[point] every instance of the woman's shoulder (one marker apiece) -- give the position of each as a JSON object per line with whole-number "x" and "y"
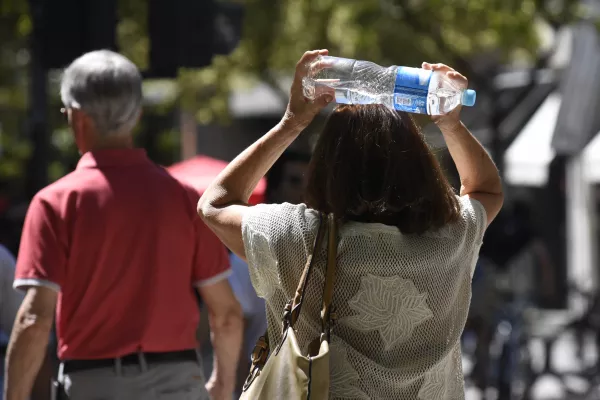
{"x": 277, "y": 236}
{"x": 283, "y": 219}
{"x": 471, "y": 208}
{"x": 283, "y": 212}
{"x": 473, "y": 221}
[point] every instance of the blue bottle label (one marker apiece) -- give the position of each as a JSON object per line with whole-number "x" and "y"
{"x": 411, "y": 100}
{"x": 410, "y": 91}
{"x": 413, "y": 78}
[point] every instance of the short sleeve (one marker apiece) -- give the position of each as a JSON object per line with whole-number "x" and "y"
{"x": 474, "y": 215}
{"x": 276, "y": 236}
{"x": 42, "y": 255}
{"x": 475, "y": 221}
{"x": 211, "y": 260}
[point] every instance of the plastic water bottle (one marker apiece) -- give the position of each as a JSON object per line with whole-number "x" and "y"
{"x": 413, "y": 90}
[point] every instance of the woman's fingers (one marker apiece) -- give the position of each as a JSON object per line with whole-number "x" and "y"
{"x": 323, "y": 92}
{"x": 323, "y": 100}
{"x": 441, "y": 67}
{"x": 458, "y": 76}
{"x": 305, "y": 102}
{"x": 304, "y": 64}
{"x": 316, "y": 66}
{"x": 436, "y": 67}
{"x": 444, "y": 68}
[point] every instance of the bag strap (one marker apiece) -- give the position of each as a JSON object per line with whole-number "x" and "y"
{"x": 327, "y": 316}
{"x": 293, "y": 308}
{"x": 262, "y": 350}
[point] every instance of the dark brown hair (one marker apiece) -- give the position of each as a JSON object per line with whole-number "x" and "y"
{"x": 371, "y": 164}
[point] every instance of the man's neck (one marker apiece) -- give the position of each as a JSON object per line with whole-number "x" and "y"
{"x": 112, "y": 142}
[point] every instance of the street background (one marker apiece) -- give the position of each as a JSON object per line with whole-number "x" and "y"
{"x": 217, "y": 75}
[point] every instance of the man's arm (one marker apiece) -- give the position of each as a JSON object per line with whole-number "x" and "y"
{"x": 28, "y": 342}
{"x": 226, "y": 325}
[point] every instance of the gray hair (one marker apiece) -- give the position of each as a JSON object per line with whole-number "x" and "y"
{"x": 107, "y": 87}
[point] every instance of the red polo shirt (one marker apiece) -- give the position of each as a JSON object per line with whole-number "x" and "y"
{"x": 120, "y": 241}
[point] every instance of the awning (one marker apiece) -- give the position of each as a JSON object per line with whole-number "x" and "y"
{"x": 200, "y": 171}
{"x": 529, "y": 156}
{"x": 591, "y": 160}
{"x": 579, "y": 119}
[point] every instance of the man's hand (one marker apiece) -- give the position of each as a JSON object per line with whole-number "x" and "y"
{"x": 450, "y": 121}
{"x": 301, "y": 111}
{"x": 218, "y": 391}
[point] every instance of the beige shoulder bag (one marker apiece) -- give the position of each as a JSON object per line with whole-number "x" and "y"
{"x": 285, "y": 373}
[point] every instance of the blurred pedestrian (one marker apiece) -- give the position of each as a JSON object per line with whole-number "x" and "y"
{"x": 255, "y": 318}
{"x": 10, "y": 300}
{"x": 286, "y": 180}
{"x": 407, "y": 245}
{"x": 116, "y": 249}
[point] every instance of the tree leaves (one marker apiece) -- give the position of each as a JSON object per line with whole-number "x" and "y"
{"x": 276, "y": 33}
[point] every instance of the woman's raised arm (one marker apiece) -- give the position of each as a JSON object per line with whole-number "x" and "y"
{"x": 479, "y": 176}
{"x": 223, "y": 204}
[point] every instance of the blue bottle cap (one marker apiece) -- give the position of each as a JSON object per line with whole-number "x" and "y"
{"x": 468, "y": 98}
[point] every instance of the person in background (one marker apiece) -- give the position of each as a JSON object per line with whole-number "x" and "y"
{"x": 115, "y": 248}
{"x": 255, "y": 319}
{"x": 10, "y": 300}
{"x": 286, "y": 180}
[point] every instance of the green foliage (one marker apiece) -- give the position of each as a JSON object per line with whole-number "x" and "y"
{"x": 400, "y": 32}
{"x": 132, "y": 31}
{"x": 15, "y": 26}
{"x": 276, "y": 33}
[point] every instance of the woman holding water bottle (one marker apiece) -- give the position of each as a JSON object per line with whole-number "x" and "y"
{"x": 406, "y": 243}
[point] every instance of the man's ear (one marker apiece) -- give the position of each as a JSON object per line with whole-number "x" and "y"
{"x": 88, "y": 122}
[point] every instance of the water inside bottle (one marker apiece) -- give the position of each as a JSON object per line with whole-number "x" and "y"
{"x": 442, "y": 101}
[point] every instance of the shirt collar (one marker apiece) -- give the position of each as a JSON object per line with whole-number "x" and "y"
{"x": 112, "y": 158}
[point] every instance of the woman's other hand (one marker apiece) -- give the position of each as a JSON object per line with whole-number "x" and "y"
{"x": 451, "y": 120}
{"x": 301, "y": 111}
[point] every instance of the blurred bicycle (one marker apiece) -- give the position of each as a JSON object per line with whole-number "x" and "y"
{"x": 495, "y": 343}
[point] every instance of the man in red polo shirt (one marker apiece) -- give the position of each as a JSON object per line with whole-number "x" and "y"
{"x": 117, "y": 250}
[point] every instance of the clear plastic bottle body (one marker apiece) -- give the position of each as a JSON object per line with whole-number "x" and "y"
{"x": 354, "y": 81}
{"x": 400, "y": 88}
